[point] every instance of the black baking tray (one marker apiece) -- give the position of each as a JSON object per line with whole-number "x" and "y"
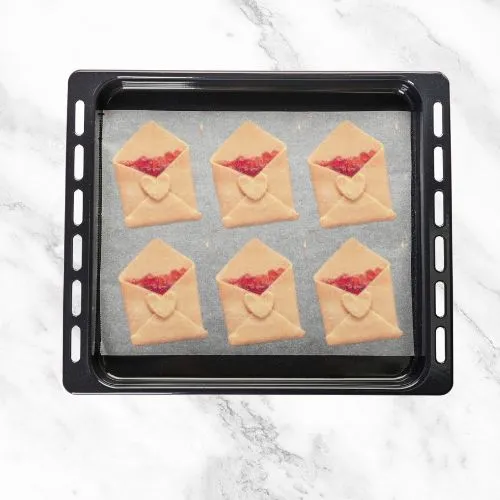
{"x": 302, "y": 374}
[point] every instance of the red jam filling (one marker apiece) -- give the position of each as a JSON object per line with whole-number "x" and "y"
{"x": 153, "y": 166}
{"x": 250, "y": 165}
{"x": 354, "y": 283}
{"x": 159, "y": 283}
{"x": 257, "y": 283}
{"x": 350, "y": 165}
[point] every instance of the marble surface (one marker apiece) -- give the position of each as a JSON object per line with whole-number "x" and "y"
{"x": 57, "y": 446}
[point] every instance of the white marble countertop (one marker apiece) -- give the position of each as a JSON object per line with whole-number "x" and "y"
{"x": 57, "y": 446}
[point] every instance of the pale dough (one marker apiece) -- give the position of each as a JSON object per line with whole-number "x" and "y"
{"x": 344, "y": 200}
{"x": 148, "y": 200}
{"x": 245, "y": 200}
{"x": 252, "y": 318}
{"x": 173, "y": 316}
{"x": 350, "y": 318}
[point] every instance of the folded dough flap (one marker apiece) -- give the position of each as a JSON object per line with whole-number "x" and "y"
{"x": 285, "y": 300}
{"x": 382, "y": 293}
{"x": 377, "y": 179}
{"x": 181, "y": 179}
{"x": 366, "y": 208}
{"x": 178, "y": 172}
{"x": 254, "y": 258}
{"x": 150, "y": 140}
{"x": 268, "y": 209}
{"x": 382, "y": 299}
{"x": 279, "y": 184}
{"x": 247, "y": 140}
{"x": 378, "y": 202}
{"x": 285, "y": 296}
{"x": 136, "y": 308}
{"x": 129, "y": 183}
{"x": 186, "y": 289}
{"x": 156, "y": 258}
{"x": 171, "y": 209}
{"x": 226, "y": 184}
{"x": 325, "y": 187}
{"x": 330, "y": 302}
{"x": 255, "y": 331}
{"x": 178, "y": 205}
{"x": 370, "y": 328}
{"x": 187, "y": 309}
{"x": 351, "y": 258}
{"x": 176, "y": 327}
{"x": 345, "y": 140}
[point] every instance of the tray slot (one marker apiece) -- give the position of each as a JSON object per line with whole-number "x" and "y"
{"x": 438, "y": 163}
{"x": 76, "y": 298}
{"x": 439, "y": 253}
{"x": 77, "y": 207}
{"x": 77, "y": 252}
{"x": 78, "y": 162}
{"x": 439, "y": 298}
{"x": 439, "y": 208}
{"x": 79, "y": 117}
{"x": 76, "y": 336}
{"x": 437, "y": 119}
{"x": 440, "y": 344}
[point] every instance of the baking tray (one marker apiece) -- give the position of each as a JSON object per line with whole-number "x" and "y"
{"x": 100, "y": 359}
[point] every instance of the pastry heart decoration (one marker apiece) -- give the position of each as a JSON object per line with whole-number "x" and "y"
{"x": 260, "y": 306}
{"x": 351, "y": 187}
{"x": 156, "y": 188}
{"x": 162, "y": 306}
{"x": 357, "y": 305}
{"x": 254, "y": 188}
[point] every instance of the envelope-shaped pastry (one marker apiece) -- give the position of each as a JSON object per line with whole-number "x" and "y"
{"x": 161, "y": 299}
{"x": 350, "y": 178}
{"x": 252, "y": 178}
{"x": 153, "y": 172}
{"x": 356, "y": 296}
{"x": 257, "y": 291}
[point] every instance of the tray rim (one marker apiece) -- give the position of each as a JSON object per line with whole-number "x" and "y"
{"x": 426, "y": 88}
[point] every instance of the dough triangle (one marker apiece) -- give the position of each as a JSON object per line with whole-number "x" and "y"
{"x": 170, "y": 209}
{"x": 268, "y": 209}
{"x": 176, "y": 327}
{"x": 364, "y": 209}
{"x": 371, "y": 327}
{"x": 255, "y": 331}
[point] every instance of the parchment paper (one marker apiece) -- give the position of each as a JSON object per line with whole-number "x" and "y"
{"x": 211, "y": 246}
